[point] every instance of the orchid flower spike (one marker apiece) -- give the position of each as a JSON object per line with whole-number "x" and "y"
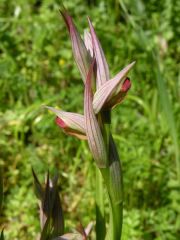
{"x": 109, "y": 91}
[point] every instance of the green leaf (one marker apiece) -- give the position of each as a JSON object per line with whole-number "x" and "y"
{"x": 51, "y": 213}
{"x": 47, "y": 202}
{"x": 37, "y": 186}
{"x": 100, "y": 208}
{"x": 167, "y": 108}
{"x": 2, "y": 235}
{"x": 46, "y": 231}
{"x": 1, "y": 190}
{"x": 57, "y": 211}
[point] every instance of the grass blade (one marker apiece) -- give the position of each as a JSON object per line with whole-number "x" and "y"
{"x": 1, "y": 190}
{"x": 100, "y": 215}
{"x": 167, "y": 108}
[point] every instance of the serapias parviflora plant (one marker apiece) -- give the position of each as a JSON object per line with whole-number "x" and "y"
{"x": 101, "y": 94}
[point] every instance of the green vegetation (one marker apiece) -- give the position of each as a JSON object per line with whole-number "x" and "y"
{"x": 37, "y": 68}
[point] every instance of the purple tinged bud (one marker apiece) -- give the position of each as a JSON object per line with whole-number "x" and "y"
{"x": 119, "y": 97}
{"x": 81, "y": 54}
{"x": 72, "y": 123}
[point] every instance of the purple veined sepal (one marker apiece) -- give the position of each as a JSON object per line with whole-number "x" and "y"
{"x": 81, "y": 53}
{"x": 72, "y": 123}
{"x": 112, "y": 90}
{"x": 88, "y": 42}
{"x": 93, "y": 131}
{"x": 102, "y": 66}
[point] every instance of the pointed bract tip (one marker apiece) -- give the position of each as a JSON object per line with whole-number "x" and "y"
{"x": 62, "y": 7}
{"x": 54, "y": 110}
{"x": 133, "y": 63}
{"x": 89, "y": 20}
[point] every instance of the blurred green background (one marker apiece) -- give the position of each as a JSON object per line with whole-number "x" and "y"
{"x": 37, "y": 67}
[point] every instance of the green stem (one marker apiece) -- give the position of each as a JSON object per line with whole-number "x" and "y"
{"x": 116, "y": 208}
{"x": 117, "y": 220}
{"x": 100, "y": 217}
{"x": 112, "y": 176}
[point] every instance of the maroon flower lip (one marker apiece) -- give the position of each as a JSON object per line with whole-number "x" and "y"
{"x": 68, "y": 130}
{"x": 60, "y": 122}
{"x": 118, "y": 98}
{"x": 126, "y": 85}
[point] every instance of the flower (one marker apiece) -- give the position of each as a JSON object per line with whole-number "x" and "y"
{"x": 92, "y": 64}
{"x": 72, "y": 123}
{"x": 119, "y": 97}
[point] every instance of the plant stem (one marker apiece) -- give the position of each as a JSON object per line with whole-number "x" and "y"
{"x": 117, "y": 220}
{"x": 116, "y": 209}
{"x": 100, "y": 217}
{"x": 112, "y": 176}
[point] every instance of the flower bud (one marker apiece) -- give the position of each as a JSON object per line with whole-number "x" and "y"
{"x": 72, "y": 123}
{"x": 120, "y": 96}
{"x": 81, "y": 54}
{"x": 111, "y": 89}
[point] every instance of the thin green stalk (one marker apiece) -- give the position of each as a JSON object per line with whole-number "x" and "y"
{"x": 116, "y": 211}
{"x": 112, "y": 176}
{"x": 167, "y": 107}
{"x": 100, "y": 215}
{"x": 117, "y": 219}
{"x": 1, "y": 190}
